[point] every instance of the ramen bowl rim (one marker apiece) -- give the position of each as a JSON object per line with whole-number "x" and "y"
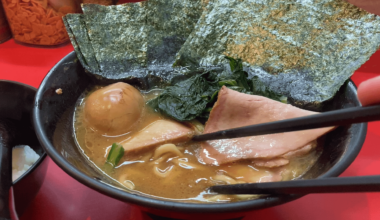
{"x": 183, "y": 207}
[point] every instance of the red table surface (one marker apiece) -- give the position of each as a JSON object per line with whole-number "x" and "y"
{"x": 62, "y": 197}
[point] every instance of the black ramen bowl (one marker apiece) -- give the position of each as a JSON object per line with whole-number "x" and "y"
{"x": 16, "y": 105}
{"x": 53, "y": 121}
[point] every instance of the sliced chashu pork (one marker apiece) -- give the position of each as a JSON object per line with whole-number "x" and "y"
{"x": 234, "y": 109}
{"x": 284, "y": 159}
{"x": 157, "y": 133}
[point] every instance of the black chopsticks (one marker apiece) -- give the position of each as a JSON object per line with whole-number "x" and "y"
{"x": 332, "y": 118}
{"x": 323, "y": 185}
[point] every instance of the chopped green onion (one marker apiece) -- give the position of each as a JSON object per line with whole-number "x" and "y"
{"x": 114, "y": 156}
{"x": 208, "y": 109}
{"x": 229, "y": 82}
{"x": 214, "y": 96}
{"x": 284, "y": 99}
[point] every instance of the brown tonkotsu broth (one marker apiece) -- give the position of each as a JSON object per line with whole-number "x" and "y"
{"x": 176, "y": 176}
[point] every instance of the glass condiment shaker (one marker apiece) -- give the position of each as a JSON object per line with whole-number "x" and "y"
{"x": 5, "y": 32}
{"x": 39, "y": 22}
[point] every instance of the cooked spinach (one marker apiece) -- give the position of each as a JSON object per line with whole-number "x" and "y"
{"x": 185, "y": 100}
{"x": 195, "y": 97}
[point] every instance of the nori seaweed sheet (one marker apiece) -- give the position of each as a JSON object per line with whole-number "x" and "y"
{"x": 170, "y": 22}
{"x": 134, "y": 39}
{"x": 118, "y": 35}
{"x": 79, "y": 39}
{"x": 74, "y": 43}
{"x": 302, "y": 49}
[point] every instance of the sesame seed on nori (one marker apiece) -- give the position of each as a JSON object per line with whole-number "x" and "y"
{"x": 303, "y": 49}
